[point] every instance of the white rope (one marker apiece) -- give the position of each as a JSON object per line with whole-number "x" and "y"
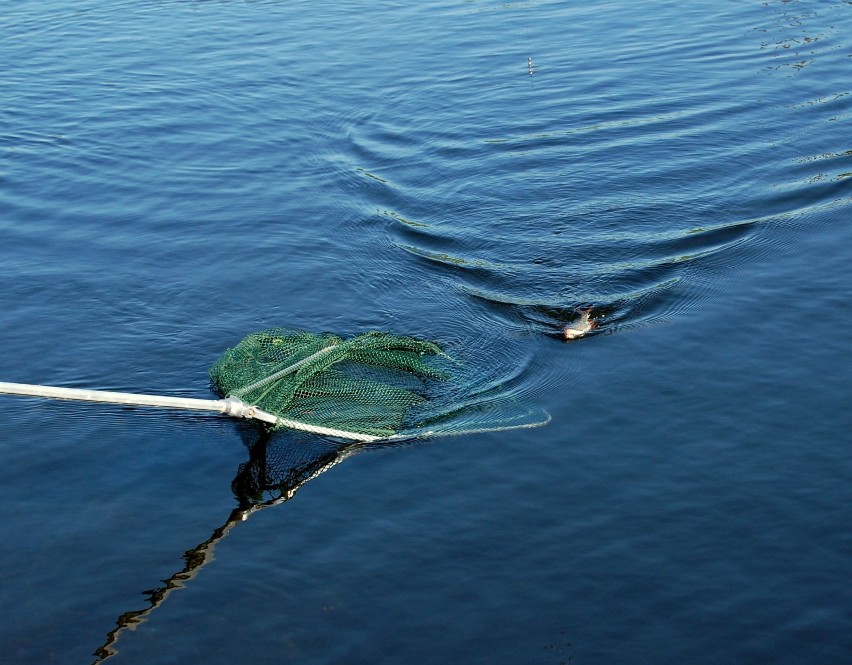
{"x": 328, "y": 431}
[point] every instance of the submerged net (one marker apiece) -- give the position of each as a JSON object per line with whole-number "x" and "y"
{"x": 375, "y": 385}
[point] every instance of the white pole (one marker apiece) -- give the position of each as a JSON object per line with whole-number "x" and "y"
{"x": 231, "y": 406}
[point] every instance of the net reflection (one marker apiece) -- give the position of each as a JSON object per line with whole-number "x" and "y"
{"x": 278, "y": 466}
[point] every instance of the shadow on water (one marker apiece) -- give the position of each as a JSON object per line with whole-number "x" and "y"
{"x": 278, "y": 466}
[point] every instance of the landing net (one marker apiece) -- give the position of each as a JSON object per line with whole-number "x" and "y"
{"x": 373, "y": 386}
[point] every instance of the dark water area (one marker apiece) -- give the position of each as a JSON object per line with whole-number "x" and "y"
{"x": 176, "y": 175}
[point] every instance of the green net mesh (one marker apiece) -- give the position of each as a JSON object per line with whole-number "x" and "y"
{"x": 376, "y": 385}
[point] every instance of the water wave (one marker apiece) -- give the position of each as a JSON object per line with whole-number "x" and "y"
{"x": 597, "y": 191}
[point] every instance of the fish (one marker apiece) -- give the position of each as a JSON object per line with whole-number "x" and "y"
{"x": 580, "y": 326}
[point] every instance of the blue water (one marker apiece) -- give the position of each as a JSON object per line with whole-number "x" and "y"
{"x": 176, "y": 175}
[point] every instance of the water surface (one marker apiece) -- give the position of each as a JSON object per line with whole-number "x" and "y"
{"x": 176, "y": 175}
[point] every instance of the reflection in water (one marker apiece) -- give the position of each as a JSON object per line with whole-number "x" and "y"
{"x": 276, "y": 469}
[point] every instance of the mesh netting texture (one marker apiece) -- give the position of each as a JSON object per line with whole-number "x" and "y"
{"x": 367, "y": 384}
{"x": 375, "y": 384}
{"x": 278, "y": 466}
